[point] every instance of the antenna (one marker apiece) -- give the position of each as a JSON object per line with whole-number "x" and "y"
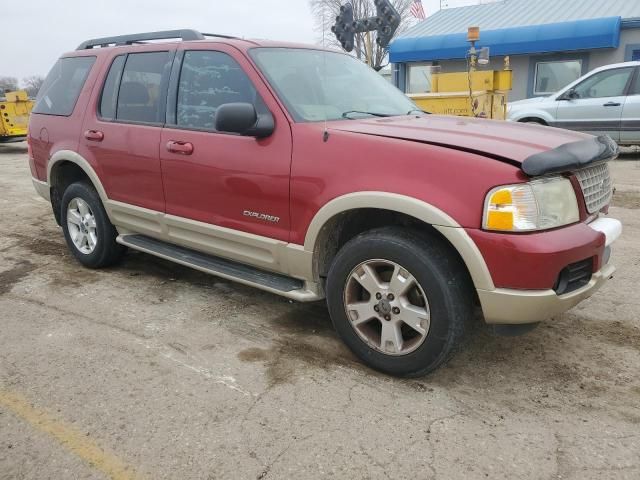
{"x": 325, "y": 134}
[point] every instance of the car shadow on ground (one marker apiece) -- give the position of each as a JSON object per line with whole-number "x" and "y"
{"x": 559, "y": 356}
{"x": 13, "y": 148}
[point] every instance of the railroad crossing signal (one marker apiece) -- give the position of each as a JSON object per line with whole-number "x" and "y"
{"x": 386, "y": 22}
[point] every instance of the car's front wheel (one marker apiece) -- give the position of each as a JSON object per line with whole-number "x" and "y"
{"x": 87, "y": 230}
{"x": 399, "y": 300}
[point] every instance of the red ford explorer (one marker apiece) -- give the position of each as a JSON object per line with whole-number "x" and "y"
{"x": 302, "y": 172}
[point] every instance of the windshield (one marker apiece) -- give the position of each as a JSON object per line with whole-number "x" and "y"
{"x": 317, "y": 85}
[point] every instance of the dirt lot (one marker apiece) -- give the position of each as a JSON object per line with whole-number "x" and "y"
{"x": 155, "y": 371}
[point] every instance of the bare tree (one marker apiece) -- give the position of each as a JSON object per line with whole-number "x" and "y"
{"x": 8, "y": 84}
{"x": 366, "y": 48}
{"x": 32, "y": 84}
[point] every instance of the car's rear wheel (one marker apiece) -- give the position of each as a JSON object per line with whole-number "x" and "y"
{"x": 399, "y": 300}
{"x": 89, "y": 234}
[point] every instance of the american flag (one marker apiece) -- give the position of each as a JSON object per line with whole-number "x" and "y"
{"x": 417, "y": 10}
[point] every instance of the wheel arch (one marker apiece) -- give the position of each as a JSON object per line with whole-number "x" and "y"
{"x": 533, "y": 119}
{"x": 66, "y": 167}
{"x": 537, "y": 115}
{"x": 325, "y": 233}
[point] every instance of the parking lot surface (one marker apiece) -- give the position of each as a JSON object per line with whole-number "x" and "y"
{"x": 152, "y": 370}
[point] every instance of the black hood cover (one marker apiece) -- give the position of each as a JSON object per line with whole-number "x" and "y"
{"x": 571, "y": 156}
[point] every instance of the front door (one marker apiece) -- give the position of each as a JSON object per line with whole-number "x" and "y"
{"x": 630, "y": 131}
{"x": 224, "y": 180}
{"x": 121, "y": 134}
{"x": 597, "y": 103}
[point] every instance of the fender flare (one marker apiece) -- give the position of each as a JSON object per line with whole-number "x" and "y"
{"x": 412, "y": 207}
{"x": 80, "y": 161}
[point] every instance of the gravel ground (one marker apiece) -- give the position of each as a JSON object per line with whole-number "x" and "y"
{"x": 151, "y": 370}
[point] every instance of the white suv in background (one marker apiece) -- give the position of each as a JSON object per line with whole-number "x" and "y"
{"x": 604, "y": 101}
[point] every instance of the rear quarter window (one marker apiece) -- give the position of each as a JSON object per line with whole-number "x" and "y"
{"x": 61, "y": 89}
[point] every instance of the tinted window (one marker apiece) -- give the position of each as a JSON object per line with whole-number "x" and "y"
{"x": 109, "y": 98}
{"x": 139, "y": 97}
{"x": 553, "y": 76}
{"x": 611, "y": 83}
{"x": 61, "y": 89}
{"x": 208, "y": 80}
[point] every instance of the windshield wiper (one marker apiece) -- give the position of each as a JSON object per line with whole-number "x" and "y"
{"x": 417, "y": 110}
{"x": 373, "y": 114}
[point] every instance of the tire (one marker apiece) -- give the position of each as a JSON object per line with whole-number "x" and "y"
{"x": 83, "y": 215}
{"x": 442, "y": 288}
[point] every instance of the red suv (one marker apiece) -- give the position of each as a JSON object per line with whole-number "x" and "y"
{"x": 303, "y": 172}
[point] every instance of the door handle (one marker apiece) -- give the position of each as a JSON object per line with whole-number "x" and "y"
{"x": 94, "y": 135}
{"x": 182, "y": 148}
{"x": 612, "y": 104}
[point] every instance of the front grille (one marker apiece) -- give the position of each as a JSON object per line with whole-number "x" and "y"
{"x": 596, "y": 186}
{"x": 574, "y": 277}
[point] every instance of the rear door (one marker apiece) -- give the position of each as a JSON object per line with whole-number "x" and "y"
{"x": 121, "y": 132}
{"x": 597, "y": 108}
{"x": 223, "y": 179}
{"x": 630, "y": 130}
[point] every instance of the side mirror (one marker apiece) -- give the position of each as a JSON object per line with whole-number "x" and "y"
{"x": 242, "y": 118}
{"x": 570, "y": 94}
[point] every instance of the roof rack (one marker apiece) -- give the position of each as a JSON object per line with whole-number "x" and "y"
{"x": 184, "y": 35}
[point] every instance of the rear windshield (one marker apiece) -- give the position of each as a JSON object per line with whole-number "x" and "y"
{"x": 61, "y": 89}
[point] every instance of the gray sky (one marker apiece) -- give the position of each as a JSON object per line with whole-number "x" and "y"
{"x": 37, "y": 32}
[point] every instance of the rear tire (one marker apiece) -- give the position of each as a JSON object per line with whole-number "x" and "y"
{"x": 90, "y": 236}
{"x": 400, "y": 300}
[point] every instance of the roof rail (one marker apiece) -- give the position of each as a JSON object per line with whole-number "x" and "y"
{"x": 185, "y": 35}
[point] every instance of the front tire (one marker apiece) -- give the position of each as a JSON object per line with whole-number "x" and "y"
{"x": 400, "y": 300}
{"x": 89, "y": 234}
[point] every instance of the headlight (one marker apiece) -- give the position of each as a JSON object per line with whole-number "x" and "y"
{"x": 537, "y": 205}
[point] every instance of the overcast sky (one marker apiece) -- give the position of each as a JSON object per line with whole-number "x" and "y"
{"x": 36, "y": 32}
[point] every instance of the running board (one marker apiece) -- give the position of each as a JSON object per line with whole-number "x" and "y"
{"x": 238, "y": 272}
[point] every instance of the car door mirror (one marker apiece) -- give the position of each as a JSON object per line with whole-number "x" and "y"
{"x": 242, "y": 118}
{"x": 570, "y": 94}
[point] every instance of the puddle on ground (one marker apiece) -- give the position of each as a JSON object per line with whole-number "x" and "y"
{"x": 14, "y": 275}
{"x": 40, "y": 245}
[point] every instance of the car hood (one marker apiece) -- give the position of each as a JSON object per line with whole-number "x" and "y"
{"x": 530, "y": 101}
{"x": 499, "y": 139}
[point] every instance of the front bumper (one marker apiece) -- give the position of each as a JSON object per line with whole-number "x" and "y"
{"x": 504, "y": 306}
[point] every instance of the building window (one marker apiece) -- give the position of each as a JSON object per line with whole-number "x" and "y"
{"x": 635, "y": 55}
{"x": 419, "y": 78}
{"x": 552, "y": 76}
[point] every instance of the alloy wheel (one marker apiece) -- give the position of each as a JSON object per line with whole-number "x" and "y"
{"x": 387, "y": 307}
{"x": 81, "y": 224}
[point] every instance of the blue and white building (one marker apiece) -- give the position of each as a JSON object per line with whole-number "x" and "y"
{"x": 550, "y": 42}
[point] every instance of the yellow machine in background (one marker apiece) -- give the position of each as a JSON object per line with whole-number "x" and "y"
{"x": 474, "y": 93}
{"x": 15, "y": 108}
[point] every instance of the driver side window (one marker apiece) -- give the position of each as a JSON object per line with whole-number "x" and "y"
{"x": 611, "y": 83}
{"x": 208, "y": 80}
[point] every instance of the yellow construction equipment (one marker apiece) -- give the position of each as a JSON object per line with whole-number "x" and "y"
{"x": 15, "y": 108}
{"x": 474, "y": 93}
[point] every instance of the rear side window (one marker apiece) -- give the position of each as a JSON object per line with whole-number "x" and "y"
{"x": 109, "y": 100}
{"x": 139, "y": 95}
{"x": 61, "y": 89}
{"x": 209, "y": 79}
